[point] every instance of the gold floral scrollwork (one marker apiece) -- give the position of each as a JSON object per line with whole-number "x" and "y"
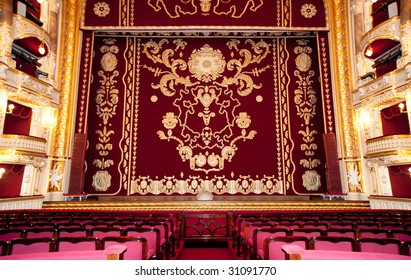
{"x": 205, "y": 94}
{"x": 101, "y": 181}
{"x": 101, "y": 9}
{"x": 308, "y": 10}
{"x": 106, "y": 101}
{"x": 305, "y": 98}
{"x": 311, "y": 180}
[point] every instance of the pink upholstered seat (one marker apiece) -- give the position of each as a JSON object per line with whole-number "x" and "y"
{"x": 136, "y": 246}
{"x": 332, "y": 243}
{"x": 272, "y": 246}
{"x": 124, "y": 224}
{"x": 249, "y": 231}
{"x": 68, "y": 225}
{"x": 372, "y": 232}
{"x": 400, "y": 234}
{"x": 11, "y": 233}
{"x": 31, "y": 245}
{"x": 318, "y": 225}
{"x": 260, "y": 235}
{"x": 164, "y": 240}
{"x": 288, "y": 225}
{"x": 40, "y": 232}
{"x": 406, "y": 248}
{"x": 346, "y": 225}
{"x": 77, "y": 243}
{"x": 239, "y": 231}
{"x": 72, "y": 231}
{"x": 307, "y": 232}
{"x": 152, "y": 235}
{"x": 392, "y": 225}
{"x": 367, "y": 225}
{"x": 101, "y": 232}
{"x": 347, "y": 232}
{"x": 379, "y": 245}
{"x": 4, "y": 246}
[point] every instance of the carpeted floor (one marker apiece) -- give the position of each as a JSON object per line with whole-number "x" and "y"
{"x": 205, "y": 251}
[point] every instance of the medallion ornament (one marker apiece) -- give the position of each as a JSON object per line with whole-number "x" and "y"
{"x": 311, "y": 180}
{"x": 101, "y": 181}
{"x": 206, "y": 64}
{"x": 308, "y": 10}
{"x": 101, "y": 9}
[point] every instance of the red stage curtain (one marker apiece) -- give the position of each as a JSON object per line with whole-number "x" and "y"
{"x": 234, "y": 115}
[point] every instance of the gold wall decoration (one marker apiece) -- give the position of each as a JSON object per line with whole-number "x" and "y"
{"x": 207, "y": 148}
{"x": 107, "y": 103}
{"x": 229, "y": 8}
{"x": 175, "y": 10}
{"x": 308, "y": 10}
{"x": 305, "y": 98}
{"x": 101, "y": 9}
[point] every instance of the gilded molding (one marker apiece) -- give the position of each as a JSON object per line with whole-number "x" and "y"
{"x": 208, "y": 205}
{"x": 343, "y": 78}
{"x": 68, "y": 58}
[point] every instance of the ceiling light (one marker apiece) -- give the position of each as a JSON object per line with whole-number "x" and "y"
{"x": 40, "y": 1}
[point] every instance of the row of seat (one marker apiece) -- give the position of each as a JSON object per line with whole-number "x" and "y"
{"x": 244, "y": 232}
{"x": 137, "y": 246}
{"x": 161, "y": 240}
{"x": 272, "y": 246}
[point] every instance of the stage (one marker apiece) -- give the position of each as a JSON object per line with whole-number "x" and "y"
{"x": 220, "y": 203}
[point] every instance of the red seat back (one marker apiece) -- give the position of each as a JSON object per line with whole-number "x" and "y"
{"x": 332, "y": 243}
{"x": 31, "y": 245}
{"x": 77, "y": 243}
{"x": 136, "y": 246}
{"x": 273, "y": 246}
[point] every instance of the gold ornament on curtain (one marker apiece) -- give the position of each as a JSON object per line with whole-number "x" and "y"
{"x": 107, "y": 103}
{"x": 208, "y": 93}
{"x": 306, "y": 101}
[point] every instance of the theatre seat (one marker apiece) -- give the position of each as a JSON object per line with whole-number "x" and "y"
{"x": 164, "y": 241}
{"x": 401, "y": 234}
{"x": 72, "y": 231}
{"x": 273, "y": 246}
{"x": 102, "y": 231}
{"x": 136, "y": 246}
{"x": 379, "y": 245}
{"x": 249, "y": 231}
{"x": 341, "y": 232}
{"x": 152, "y": 235}
{"x": 373, "y": 232}
{"x": 40, "y": 232}
{"x": 78, "y": 243}
{"x": 31, "y": 245}
{"x": 260, "y": 234}
{"x": 11, "y": 233}
{"x": 406, "y": 248}
{"x": 336, "y": 243}
{"x": 4, "y": 245}
{"x": 307, "y": 232}
{"x": 346, "y": 225}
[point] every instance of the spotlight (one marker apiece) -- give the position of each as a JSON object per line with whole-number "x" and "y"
{"x": 42, "y": 49}
{"x": 369, "y": 52}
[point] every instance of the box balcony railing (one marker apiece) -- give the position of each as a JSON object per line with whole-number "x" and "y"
{"x": 23, "y": 144}
{"x": 388, "y": 145}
